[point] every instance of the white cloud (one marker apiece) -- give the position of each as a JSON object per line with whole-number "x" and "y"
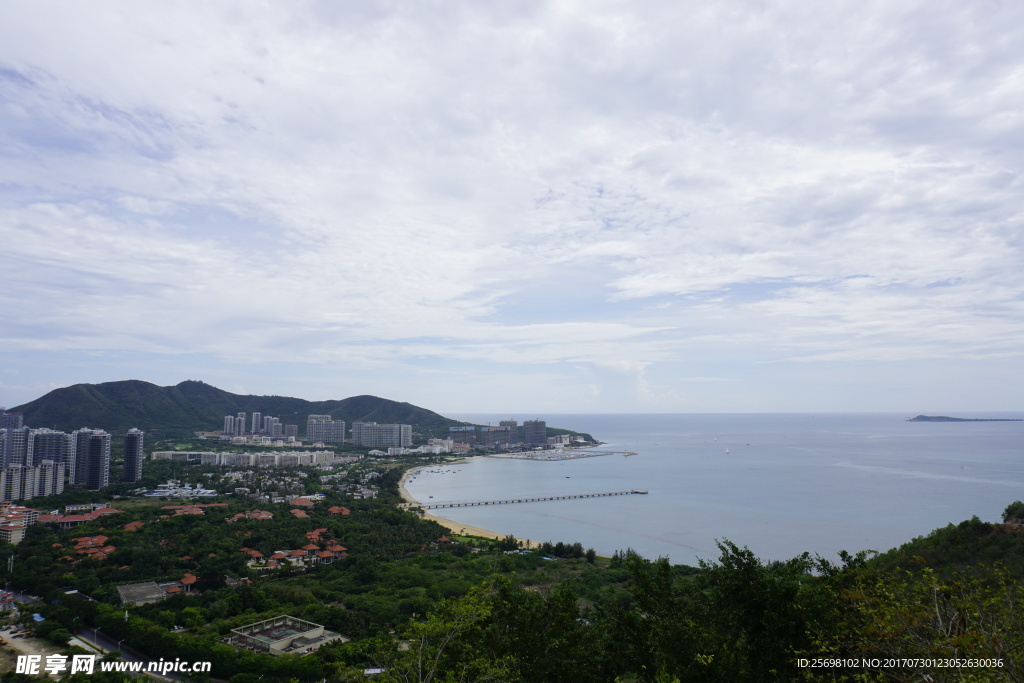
{"x": 647, "y": 185}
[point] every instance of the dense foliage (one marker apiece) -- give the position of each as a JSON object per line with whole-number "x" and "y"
{"x": 425, "y": 609}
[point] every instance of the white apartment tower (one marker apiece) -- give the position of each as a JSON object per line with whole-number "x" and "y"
{"x": 374, "y": 435}
{"x": 324, "y": 429}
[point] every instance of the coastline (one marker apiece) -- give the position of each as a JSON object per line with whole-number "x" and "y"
{"x": 453, "y": 526}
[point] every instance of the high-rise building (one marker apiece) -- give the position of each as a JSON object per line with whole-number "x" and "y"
{"x": 133, "y": 455}
{"x": 229, "y": 425}
{"x": 52, "y": 445}
{"x": 50, "y": 478}
{"x": 535, "y": 433}
{"x": 23, "y": 482}
{"x": 92, "y": 458}
{"x": 255, "y": 423}
{"x": 17, "y": 446}
{"x": 324, "y": 429}
{"x": 240, "y": 424}
{"x": 293, "y": 431}
{"x": 11, "y": 420}
{"x": 463, "y": 435}
{"x": 498, "y": 437}
{"x": 513, "y": 427}
{"x": 271, "y": 426}
{"x": 374, "y": 435}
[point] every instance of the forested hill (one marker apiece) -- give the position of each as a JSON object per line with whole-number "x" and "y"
{"x": 196, "y": 405}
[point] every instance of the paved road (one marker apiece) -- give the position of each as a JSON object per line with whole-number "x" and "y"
{"x": 97, "y": 638}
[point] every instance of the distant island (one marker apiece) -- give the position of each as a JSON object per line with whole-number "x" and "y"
{"x": 944, "y": 418}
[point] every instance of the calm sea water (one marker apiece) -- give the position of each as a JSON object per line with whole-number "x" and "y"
{"x": 788, "y": 483}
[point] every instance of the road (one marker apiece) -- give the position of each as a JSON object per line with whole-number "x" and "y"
{"x": 97, "y": 638}
{"x": 101, "y": 641}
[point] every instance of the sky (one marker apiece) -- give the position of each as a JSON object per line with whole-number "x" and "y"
{"x": 521, "y": 207}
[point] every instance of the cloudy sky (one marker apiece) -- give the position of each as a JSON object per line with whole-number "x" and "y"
{"x": 518, "y": 206}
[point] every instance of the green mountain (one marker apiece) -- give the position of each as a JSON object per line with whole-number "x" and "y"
{"x": 193, "y": 405}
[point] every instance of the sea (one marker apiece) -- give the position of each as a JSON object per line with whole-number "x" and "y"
{"x": 779, "y": 484}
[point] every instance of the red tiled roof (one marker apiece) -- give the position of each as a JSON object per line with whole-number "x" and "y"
{"x": 278, "y": 556}
{"x": 299, "y": 514}
{"x": 325, "y": 553}
{"x": 188, "y": 580}
{"x": 173, "y": 589}
{"x": 310, "y": 546}
{"x": 297, "y": 553}
{"x": 301, "y": 501}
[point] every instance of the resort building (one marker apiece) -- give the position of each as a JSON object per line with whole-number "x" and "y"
{"x": 324, "y": 429}
{"x": 535, "y": 433}
{"x": 374, "y": 435}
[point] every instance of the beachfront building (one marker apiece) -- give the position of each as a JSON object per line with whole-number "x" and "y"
{"x": 374, "y": 435}
{"x": 464, "y": 435}
{"x": 499, "y": 437}
{"x": 535, "y": 433}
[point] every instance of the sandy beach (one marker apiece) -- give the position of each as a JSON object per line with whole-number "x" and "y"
{"x": 455, "y": 527}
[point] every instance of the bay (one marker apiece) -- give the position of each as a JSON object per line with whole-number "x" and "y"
{"x": 780, "y": 484}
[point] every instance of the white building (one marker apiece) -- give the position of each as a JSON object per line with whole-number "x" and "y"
{"x": 324, "y": 429}
{"x": 381, "y": 436}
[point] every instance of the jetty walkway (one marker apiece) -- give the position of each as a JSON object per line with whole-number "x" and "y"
{"x": 556, "y": 455}
{"x": 432, "y": 506}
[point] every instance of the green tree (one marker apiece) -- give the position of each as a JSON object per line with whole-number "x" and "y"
{"x": 758, "y": 614}
{"x": 921, "y": 617}
{"x": 435, "y": 650}
{"x": 1014, "y": 510}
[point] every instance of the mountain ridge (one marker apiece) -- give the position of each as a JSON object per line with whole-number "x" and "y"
{"x": 196, "y": 405}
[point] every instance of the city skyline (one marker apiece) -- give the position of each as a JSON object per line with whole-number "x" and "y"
{"x": 539, "y": 208}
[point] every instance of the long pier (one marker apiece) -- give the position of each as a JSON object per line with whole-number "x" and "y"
{"x": 431, "y": 506}
{"x": 557, "y": 455}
